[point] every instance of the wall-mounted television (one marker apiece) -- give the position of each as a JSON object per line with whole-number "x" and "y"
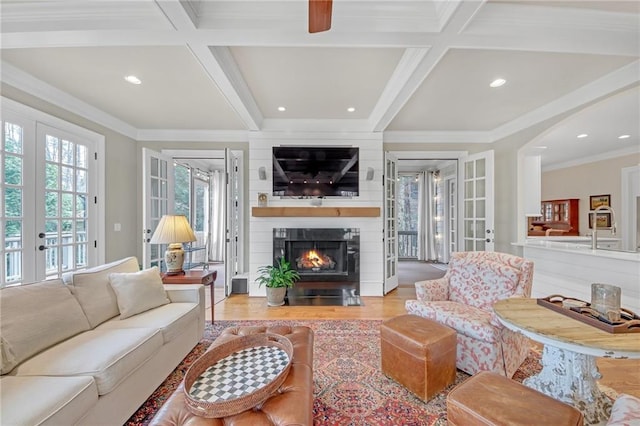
{"x": 303, "y": 171}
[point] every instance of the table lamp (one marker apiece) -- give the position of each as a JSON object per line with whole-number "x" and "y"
{"x": 173, "y": 230}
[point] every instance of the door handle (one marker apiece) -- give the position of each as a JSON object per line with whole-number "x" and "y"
{"x": 42, "y": 248}
{"x": 42, "y": 235}
{"x": 489, "y": 231}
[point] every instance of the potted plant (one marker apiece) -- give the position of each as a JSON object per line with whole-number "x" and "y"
{"x": 277, "y": 278}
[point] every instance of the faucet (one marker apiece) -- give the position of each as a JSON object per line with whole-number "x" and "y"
{"x": 594, "y": 221}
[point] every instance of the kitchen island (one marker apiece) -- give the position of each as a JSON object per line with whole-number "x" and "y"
{"x": 568, "y": 268}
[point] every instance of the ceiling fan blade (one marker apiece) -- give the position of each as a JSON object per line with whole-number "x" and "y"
{"x": 319, "y": 15}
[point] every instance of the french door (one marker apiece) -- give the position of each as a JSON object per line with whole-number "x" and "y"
{"x": 390, "y": 222}
{"x": 477, "y": 202}
{"x": 158, "y": 200}
{"x": 233, "y": 217}
{"x": 48, "y": 199}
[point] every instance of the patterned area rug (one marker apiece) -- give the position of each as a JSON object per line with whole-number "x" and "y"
{"x": 349, "y": 387}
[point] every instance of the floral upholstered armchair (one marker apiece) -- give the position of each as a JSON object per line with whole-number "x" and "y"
{"x": 463, "y": 300}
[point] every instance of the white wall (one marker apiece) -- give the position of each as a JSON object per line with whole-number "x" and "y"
{"x": 371, "y": 195}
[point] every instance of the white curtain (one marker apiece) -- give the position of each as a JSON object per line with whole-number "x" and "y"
{"x": 216, "y": 251}
{"x": 421, "y": 223}
{"x": 428, "y": 222}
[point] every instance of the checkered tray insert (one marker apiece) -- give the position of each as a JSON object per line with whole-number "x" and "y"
{"x": 239, "y": 374}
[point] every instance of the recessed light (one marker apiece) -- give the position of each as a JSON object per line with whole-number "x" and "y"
{"x": 351, "y": 109}
{"x": 281, "y": 109}
{"x": 498, "y": 82}
{"x": 624, "y": 136}
{"x": 582, "y": 135}
{"x": 133, "y": 79}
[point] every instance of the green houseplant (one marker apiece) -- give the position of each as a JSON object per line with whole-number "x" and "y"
{"x": 277, "y": 278}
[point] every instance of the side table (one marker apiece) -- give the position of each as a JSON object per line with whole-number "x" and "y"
{"x": 206, "y": 278}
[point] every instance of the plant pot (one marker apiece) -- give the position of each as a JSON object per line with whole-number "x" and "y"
{"x": 275, "y": 296}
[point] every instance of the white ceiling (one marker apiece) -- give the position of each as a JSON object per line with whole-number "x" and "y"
{"x": 417, "y": 70}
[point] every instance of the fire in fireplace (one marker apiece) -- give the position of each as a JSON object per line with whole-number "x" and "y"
{"x": 315, "y": 260}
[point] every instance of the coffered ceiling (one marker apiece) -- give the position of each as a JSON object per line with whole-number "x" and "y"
{"x": 417, "y": 70}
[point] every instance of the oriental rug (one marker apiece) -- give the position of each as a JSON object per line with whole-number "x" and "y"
{"x": 349, "y": 387}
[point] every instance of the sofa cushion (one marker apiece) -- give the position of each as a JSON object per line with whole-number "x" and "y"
{"x": 92, "y": 289}
{"x": 34, "y": 317}
{"x": 109, "y": 356}
{"x": 481, "y": 284}
{"x": 170, "y": 319}
{"x": 138, "y": 291}
{"x": 39, "y": 400}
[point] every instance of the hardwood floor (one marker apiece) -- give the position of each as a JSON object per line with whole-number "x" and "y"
{"x": 620, "y": 375}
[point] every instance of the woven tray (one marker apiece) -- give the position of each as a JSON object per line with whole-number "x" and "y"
{"x": 629, "y": 323}
{"x": 237, "y": 375}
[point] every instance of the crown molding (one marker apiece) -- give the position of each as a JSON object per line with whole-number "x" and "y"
{"x": 170, "y": 135}
{"x": 394, "y": 136}
{"x": 592, "y": 159}
{"x": 306, "y": 135}
{"x": 315, "y": 125}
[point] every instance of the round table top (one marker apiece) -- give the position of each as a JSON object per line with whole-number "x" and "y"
{"x": 552, "y": 328}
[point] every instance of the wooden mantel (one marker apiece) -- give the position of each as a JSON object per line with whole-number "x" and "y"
{"x": 315, "y": 211}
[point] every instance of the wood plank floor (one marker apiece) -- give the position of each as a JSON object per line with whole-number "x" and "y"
{"x": 620, "y": 375}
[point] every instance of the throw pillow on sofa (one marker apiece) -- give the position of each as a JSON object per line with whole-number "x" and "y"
{"x": 91, "y": 288}
{"x": 138, "y": 291}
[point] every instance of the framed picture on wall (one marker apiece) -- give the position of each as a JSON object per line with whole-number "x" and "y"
{"x": 603, "y": 220}
{"x": 596, "y": 201}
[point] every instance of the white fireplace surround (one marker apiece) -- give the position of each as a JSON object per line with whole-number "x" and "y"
{"x": 371, "y": 195}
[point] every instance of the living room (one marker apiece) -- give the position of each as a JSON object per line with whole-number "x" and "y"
{"x": 243, "y": 78}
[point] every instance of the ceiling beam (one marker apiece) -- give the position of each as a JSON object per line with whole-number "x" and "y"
{"x": 218, "y": 64}
{"x": 177, "y": 14}
{"x": 417, "y": 68}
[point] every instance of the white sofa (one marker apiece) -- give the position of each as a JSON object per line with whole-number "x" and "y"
{"x": 69, "y": 355}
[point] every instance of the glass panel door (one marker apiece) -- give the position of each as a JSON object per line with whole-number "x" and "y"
{"x": 66, "y": 203}
{"x": 17, "y": 204}
{"x": 157, "y": 190}
{"x": 233, "y": 219}
{"x": 390, "y": 223}
{"x": 477, "y": 202}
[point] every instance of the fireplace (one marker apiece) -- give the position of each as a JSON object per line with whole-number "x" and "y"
{"x": 328, "y": 261}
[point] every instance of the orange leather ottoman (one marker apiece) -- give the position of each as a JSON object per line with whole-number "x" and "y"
{"x": 291, "y": 404}
{"x": 491, "y": 399}
{"x": 418, "y": 353}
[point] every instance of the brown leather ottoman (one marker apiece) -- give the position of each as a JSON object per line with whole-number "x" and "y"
{"x": 491, "y": 399}
{"x": 292, "y": 404}
{"x": 418, "y": 353}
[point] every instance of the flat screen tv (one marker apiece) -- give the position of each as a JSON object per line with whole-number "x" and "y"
{"x": 302, "y": 171}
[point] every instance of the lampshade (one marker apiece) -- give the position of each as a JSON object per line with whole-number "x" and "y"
{"x": 173, "y": 229}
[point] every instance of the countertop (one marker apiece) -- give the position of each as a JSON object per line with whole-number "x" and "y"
{"x": 577, "y": 248}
